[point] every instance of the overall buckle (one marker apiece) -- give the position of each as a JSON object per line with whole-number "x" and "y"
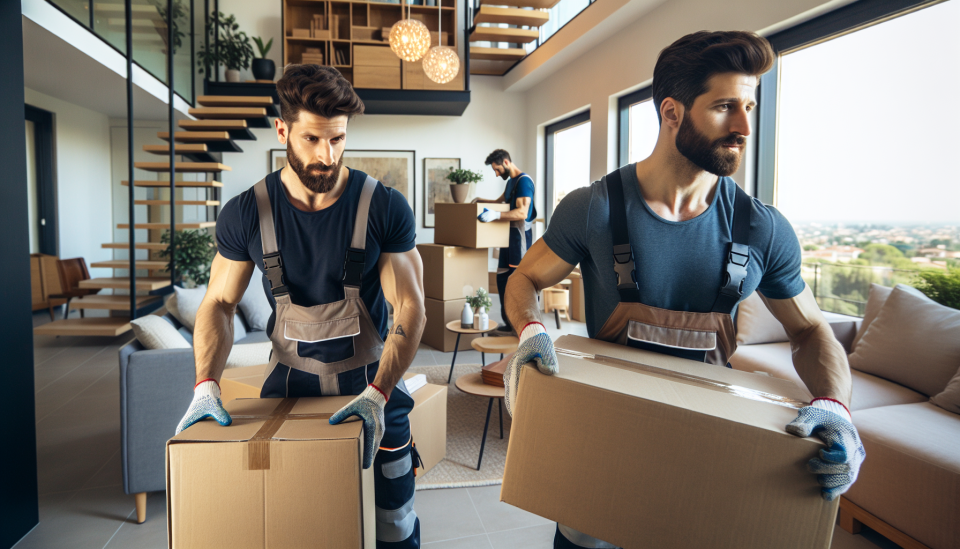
{"x": 273, "y": 269}
{"x": 353, "y": 267}
{"x": 625, "y": 267}
{"x": 736, "y": 269}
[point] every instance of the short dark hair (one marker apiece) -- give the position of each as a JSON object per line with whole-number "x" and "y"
{"x": 497, "y": 157}
{"x": 318, "y": 89}
{"x": 684, "y": 67}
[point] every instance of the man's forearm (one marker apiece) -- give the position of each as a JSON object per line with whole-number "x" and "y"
{"x": 401, "y": 345}
{"x": 822, "y": 364}
{"x": 212, "y": 339}
{"x": 521, "y": 301}
{"x": 517, "y": 214}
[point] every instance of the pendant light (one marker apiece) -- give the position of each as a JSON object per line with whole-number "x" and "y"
{"x": 441, "y": 64}
{"x": 409, "y": 39}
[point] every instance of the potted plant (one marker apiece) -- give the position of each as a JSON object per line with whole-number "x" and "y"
{"x": 263, "y": 68}
{"x": 194, "y": 252}
{"x": 235, "y": 50}
{"x": 460, "y": 188}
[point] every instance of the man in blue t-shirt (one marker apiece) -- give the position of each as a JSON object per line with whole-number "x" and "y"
{"x": 519, "y": 195}
{"x": 334, "y": 247}
{"x": 669, "y": 245}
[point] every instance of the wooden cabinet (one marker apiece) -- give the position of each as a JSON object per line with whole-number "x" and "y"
{"x": 415, "y": 79}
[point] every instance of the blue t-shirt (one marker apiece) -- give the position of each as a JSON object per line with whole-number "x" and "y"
{"x": 525, "y": 187}
{"x": 313, "y": 245}
{"x": 680, "y": 265}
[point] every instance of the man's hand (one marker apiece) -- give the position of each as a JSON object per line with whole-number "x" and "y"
{"x": 535, "y": 346}
{"x": 839, "y": 463}
{"x": 368, "y": 406}
{"x": 206, "y": 403}
{"x": 488, "y": 215}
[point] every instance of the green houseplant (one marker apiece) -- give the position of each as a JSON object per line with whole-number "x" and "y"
{"x": 194, "y": 252}
{"x": 235, "y": 50}
{"x": 263, "y": 68}
{"x": 460, "y": 186}
{"x": 481, "y": 299}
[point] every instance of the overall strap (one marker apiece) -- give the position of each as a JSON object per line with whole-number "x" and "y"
{"x": 354, "y": 262}
{"x": 738, "y": 255}
{"x": 624, "y": 263}
{"x": 272, "y": 264}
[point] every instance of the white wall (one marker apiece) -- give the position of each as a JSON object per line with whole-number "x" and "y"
{"x": 82, "y": 179}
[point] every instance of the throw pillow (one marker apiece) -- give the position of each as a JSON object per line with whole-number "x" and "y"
{"x": 173, "y": 307}
{"x": 239, "y": 332}
{"x": 188, "y": 302}
{"x": 249, "y": 354}
{"x": 914, "y": 341}
{"x": 756, "y": 324}
{"x": 949, "y": 399}
{"x": 153, "y": 332}
{"x": 875, "y": 299}
{"x": 254, "y": 304}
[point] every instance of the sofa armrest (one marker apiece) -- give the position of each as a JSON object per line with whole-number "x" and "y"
{"x": 156, "y": 388}
{"x": 844, "y": 328}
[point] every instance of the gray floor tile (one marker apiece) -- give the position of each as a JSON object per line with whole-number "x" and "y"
{"x": 471, "y": 542}
{"x": 88, "y": 519}
{"x": 534, "y": 537}
{"x": 152, "y": 534}
{"x": 446, "y": 514}
{"x": 497, "y": 516}
{"x": 424, "y": 357}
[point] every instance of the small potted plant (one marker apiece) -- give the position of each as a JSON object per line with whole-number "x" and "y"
{"x": 480, "y": 303}
{"x": 460, "y": 188}
{"x": 194, "y": 253}
{"x": 235, "y": 50}
{"x": 263, "y": 68}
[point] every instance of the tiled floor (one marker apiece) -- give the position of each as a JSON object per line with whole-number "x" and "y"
{"x": 82, "y": 504}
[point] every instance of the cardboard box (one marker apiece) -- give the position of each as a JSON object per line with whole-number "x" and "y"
{"x": 428, "y": 424}
{"x": 452, "y": 272}
{"x": 457, "y": 225}
{"x": 242, "y": 382}
{"x": 492, "y": 281}
{"x": 279, "y": 476}
{"x": 435, "y": 333}
{"x": 577, "y": 306}
{"x": 651, "y": 459}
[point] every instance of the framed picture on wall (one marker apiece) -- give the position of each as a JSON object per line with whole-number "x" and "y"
{"x": 278, "y": 159}
{"x": 436, "y": 187}
{"x": 395, "y": 169}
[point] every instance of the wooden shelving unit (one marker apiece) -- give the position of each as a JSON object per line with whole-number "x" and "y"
{"x": 335, "y": 28}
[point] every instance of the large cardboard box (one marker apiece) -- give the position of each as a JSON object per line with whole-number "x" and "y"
{"x": 435, "y": 333}
{"x": 452, "y": 272}
{"x": 279, "y": 476}
{"x": 242, "y": 382}
{"x": 428, "y": 424}
{"x": 648, "y": 455}
{"x": 457, "y": 225}
{"x": 492, "y": 281}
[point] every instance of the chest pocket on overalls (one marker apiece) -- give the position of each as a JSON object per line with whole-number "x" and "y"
{"x": 327, "y": 341}
{"x": 689, "y": 344}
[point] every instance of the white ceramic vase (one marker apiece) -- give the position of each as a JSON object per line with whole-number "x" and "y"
{"x": 466, "y": 319}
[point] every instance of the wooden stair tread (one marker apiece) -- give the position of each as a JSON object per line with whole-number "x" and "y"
{"x": 167, "y": 183}
{"x": 125, "y": 264}
{"x": 195, "y": 137}
{"x": 493, "y": 68}
{"x": 187, "y": 167}
{"x": 497, "y": 34}
{"x": 497, "y": 54}
{"x": 94, "y": 326}
{"x": 229, "y": 113}
{"x": 212, "y": 125}
{"x": 110, "y": 302}
{"x": 178, "y": 202}
{"x": 536, "y": 4}
{"x": 181, "y": 148}
{"x": 235, "y": 100}
{"x": 138, "y": 245}
{"x": 123, "y": 283}
{"x": 161, "y": 226}
{"x": 511, "y": 16}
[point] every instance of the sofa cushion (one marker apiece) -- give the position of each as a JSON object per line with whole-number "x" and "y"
{"x": 154, "y": 332}
{"x": 911, "y": 476}
{"x": 755, "y": 323}
{"x": 187, "y": 304}
{"x": 254, "y": 304}
{"x": 914, "y": 341}
{"x": 949, "y": 399}
{"x": 869, "y": 391}
{"x": 172, "y": 305}
{"x": 876, "y": 298}
{"x": 249, "y": 354}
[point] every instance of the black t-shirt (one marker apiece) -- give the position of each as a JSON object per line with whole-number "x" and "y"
{"x": 313, "y": 245}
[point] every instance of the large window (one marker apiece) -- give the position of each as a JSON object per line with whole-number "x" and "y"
{"x": 639, "y": 126}
{"x": 861, "y": 152}
{"x": 568, "y": 158}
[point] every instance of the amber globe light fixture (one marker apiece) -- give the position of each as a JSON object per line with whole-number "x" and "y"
{"x": 409, "y": 39}
{"x": 441, "y": 64}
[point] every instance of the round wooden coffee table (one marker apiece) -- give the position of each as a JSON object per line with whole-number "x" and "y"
{"x": 499, "y": 344}
{"x": 472, "y": 384}
{"x": 454, "y": 326}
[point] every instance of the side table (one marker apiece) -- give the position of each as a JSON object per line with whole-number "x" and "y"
{"x": 472, "y": 384}
{"x": 454, "y": 326}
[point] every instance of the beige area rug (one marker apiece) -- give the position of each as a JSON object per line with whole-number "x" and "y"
{"x": 465, "y": 417}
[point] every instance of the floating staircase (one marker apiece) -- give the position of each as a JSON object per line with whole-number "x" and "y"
{"x": 199, "y": 144}
{"x": 525, "y": 17}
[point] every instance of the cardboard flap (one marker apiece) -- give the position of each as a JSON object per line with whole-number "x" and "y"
{"x": 256, "y": 407}
{"x": 320, "y": 405}
{"x": 294, "y": 429}
{"x": 208, "y": 430}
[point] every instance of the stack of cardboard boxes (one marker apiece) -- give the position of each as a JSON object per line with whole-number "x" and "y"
{"x": 455, "y": 266}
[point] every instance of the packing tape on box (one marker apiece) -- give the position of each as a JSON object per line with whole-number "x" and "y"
{"x": 688, "y": 379}
{"x": 258, "y": 447}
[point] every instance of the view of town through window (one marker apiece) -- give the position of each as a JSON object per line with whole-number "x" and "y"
{"x": 644, "y": 129}
{"x": 866, "y": 130}
{"x": 571, "y": 161}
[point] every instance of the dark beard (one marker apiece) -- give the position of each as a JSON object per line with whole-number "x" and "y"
{"x": 320, "y": 183}
{"x": 710, "y": 156}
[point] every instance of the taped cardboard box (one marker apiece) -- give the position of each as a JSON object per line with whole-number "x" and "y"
{"x": 279, "y": 476}
{"x": 244, "y": 382}
{"x": 452, "y": 272}
{"x": 428, "y": 424}
{"x": 435, "y": 332}
{"x": 457, "y": 225}
{"x": 664, "y": 453}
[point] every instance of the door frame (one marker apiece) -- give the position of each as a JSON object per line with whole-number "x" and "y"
{"x": 46, "y": 178}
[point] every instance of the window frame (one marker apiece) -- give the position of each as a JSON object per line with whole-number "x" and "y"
{"x": 550, "y": 132}
{"x": 623, "y": 120}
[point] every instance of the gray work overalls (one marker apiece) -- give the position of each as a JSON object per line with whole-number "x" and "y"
{"x": 351, "y": 367}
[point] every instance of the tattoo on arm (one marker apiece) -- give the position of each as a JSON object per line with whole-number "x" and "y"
{"x": 399, "y": 331}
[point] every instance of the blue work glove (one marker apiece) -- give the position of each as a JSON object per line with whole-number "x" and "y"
{"x": 206, "y": 403}
{"x": 368, "y": 406}
{"x": 839, "y": 463}
{"x": 535, "y": 346}
{"x": 486, "y": 216}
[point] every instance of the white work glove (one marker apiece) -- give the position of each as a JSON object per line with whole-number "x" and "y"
{"x": 206, "y": 403}
{"x": 839, "y": 463}
{"x": 535, "y": 346}
{"x": 368, "y": 406}
{"x": 486, "y": 216}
